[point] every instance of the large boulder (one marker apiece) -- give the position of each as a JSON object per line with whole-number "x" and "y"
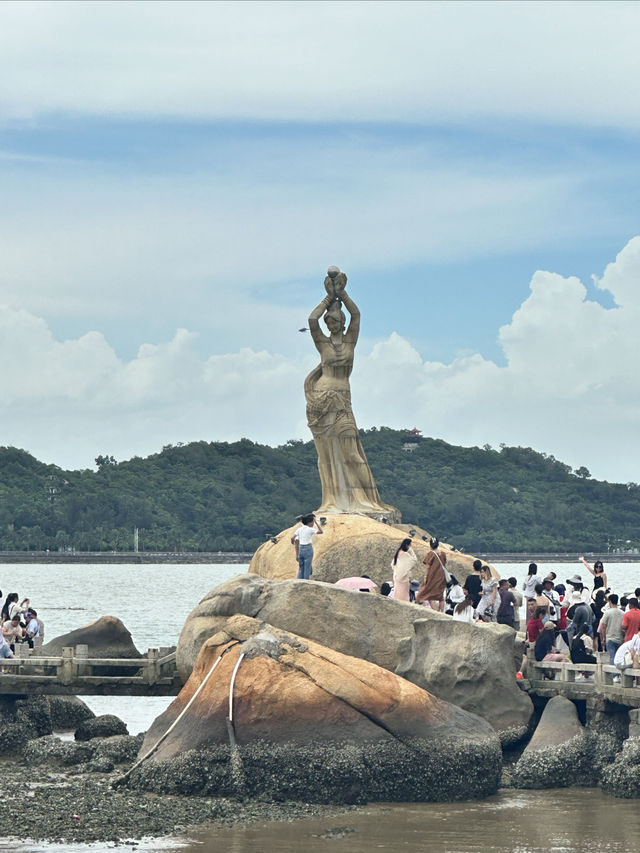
{"x": 106, "y": 725}
{"x": 67, "y": 712}
{"x": 560, "y": 752}
{"x": 622, "y": 777}
{"x": 119, "y": 749}
{"x": 22, "y": 720}
{"x": 309, "y": 719}
{"x": 382, "y": 631}
{"x": 350, "y": 546}
{"x": 471, "y": 666}
{"x": 51, "y": 750}
{"x": 107, "y": 637}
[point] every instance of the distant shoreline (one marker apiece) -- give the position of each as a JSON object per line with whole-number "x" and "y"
{"x": 128, "y": 557}
{"x": 241, "y": 557}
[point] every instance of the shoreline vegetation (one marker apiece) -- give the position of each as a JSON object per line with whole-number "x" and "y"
{"x": 213, "y": 497}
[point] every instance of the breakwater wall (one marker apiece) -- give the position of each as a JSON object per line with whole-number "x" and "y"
{"x": 245, "y": 557}
{"x": 124, "y": 557}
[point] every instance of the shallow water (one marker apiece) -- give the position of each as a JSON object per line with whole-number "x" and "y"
{"x": 556, "y": 821}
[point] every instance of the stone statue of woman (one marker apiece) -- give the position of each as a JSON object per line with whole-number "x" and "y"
{"x": 347, "y": 482}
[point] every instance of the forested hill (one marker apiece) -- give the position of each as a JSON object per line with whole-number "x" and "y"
{"x": 218, "y": 496}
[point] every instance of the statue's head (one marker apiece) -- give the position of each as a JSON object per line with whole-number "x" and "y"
{"x": 335, "y": 319}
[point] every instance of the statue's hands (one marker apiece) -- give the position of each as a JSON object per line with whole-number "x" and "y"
{"x": 329, "y": 286}
{"x": 339, "y": 285}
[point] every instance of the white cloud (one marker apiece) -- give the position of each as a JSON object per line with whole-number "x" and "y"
{"x": 390, "y": 61}
{"x": 95, "y": 247}
{"x": 570, "y": 386}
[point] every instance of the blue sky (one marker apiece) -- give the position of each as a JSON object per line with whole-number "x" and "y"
{"x": 197, "y": 166}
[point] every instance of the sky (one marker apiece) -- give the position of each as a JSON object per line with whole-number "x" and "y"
{"x": 175, "y": 178}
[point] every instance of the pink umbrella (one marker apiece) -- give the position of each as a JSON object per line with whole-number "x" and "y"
{"x": 356, "y": 583}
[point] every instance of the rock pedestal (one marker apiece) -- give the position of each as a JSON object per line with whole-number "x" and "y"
{"x": 312, "y": 720}
{"x": 352, "y": 545}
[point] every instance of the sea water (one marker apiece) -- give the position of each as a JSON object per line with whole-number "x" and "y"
{"x": 154, "y": 600}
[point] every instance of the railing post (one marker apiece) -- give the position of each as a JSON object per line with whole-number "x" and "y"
{"x": 152, "y": 666}
{"x": 65, "y": 671}
{"x": 80, "y": 668}
{"x": 21, "y": 652}
{"x": 626, "y": 680}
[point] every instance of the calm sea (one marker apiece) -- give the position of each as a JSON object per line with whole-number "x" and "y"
{"x": 153, "y": 601}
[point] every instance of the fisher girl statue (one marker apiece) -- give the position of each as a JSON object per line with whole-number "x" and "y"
{"x": 347, "y": 482}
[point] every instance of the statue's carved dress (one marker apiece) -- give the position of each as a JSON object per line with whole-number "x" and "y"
{"x": 347, "y": 482}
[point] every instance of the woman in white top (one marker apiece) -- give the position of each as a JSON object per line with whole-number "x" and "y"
{"x": 463, "y": 612}
{"x": 304, "y": 549}
{"x": 403, "y": 563}
{"x": 529, "y": 589}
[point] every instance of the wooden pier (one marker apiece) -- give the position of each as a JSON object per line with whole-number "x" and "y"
{"x": 75, "y": 673}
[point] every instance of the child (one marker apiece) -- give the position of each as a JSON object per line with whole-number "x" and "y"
{"x": 304, "y": 549}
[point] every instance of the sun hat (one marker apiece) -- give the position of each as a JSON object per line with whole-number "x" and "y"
{"x": 574, "y": 580}
{"x": 549, "y": 624}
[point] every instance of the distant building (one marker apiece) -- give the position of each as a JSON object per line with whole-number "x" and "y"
{"x": 412, "y": 439}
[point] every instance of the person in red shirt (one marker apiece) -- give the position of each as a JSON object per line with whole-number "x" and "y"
{"x": 631, "y": 619}
{"x": 535, "y": 625}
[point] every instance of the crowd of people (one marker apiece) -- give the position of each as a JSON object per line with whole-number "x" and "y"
{"x": 570, "y": 621}
{"x": 562, "y": 622}
{"x": 19, "y": 624}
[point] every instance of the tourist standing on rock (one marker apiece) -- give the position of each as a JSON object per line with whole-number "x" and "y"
{"x": 506, "y": 608}
{"x": 488, "y": 606}
{"x": 529, "y": 589}
{"x": 598, "y": 572}
{"x": 403, "y": 563}
{"x": 610, "y": 628}
{"x": 513, "y": 586}
{"x": 304, "y": 549}
{"x": 473, "y": 583}
{"x": 597, "y": 606}
{"x": 435, "y": 579}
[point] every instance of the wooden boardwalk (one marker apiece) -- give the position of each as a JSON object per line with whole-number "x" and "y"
{"x": 75, "y": 673}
